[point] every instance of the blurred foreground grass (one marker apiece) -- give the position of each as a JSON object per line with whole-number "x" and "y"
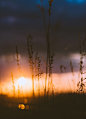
{"x": 62, "y": 106}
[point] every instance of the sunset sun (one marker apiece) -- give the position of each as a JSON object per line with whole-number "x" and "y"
{"x": 22, "y": 81}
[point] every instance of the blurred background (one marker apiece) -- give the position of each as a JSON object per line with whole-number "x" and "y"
{"x": 20, "y": 18}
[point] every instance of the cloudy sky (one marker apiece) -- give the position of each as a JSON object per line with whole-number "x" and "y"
{"x": 20, "y": 18}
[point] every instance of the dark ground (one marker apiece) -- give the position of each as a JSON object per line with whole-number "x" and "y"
{"x": 61, "y": 106}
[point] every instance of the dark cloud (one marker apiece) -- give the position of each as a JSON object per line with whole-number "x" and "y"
{"x": 18, "y": 19}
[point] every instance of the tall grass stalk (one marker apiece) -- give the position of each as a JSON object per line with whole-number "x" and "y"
{"x": 50, "y": 71}
{"x": 38, "y": 70}
{"x": 81, "y": 84}
{"x": 17, "y": 58}
{"x": 13, "y": 84}
{"x": 71, "y": 66}
{"x": 30, "y": 56}
{"x": 48, "y": 44}
{"x": 47, "y": 33}
{"x": 82, "y": 52}
{"x": 18, "y": 93}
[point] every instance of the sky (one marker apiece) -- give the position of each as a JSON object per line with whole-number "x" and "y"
{"x": 20, "y": 18}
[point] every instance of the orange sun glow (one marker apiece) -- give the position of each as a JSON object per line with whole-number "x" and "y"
{"x": 22, "y": 81}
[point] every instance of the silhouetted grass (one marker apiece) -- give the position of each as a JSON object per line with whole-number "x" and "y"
{"x": 60, "y": 106}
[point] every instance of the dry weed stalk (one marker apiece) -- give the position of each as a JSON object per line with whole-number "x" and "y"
{"x": 50, "y": 72}
{"x": 30, "y": 56}
{"x": 38, "y": 70}
{"x": 47, "y": 40}
{"x": 18, "y": 92}
{"x": 48, "y": 44}
{"x": 17, "y": 58}
{"x": 81, "y": 84}
{"x": 13, "y": 84}
{"x": 82, "y": 52}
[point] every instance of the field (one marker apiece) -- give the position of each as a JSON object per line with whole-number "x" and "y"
{"x": 67, "y": 106}
{"x": 44, "y": 94}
